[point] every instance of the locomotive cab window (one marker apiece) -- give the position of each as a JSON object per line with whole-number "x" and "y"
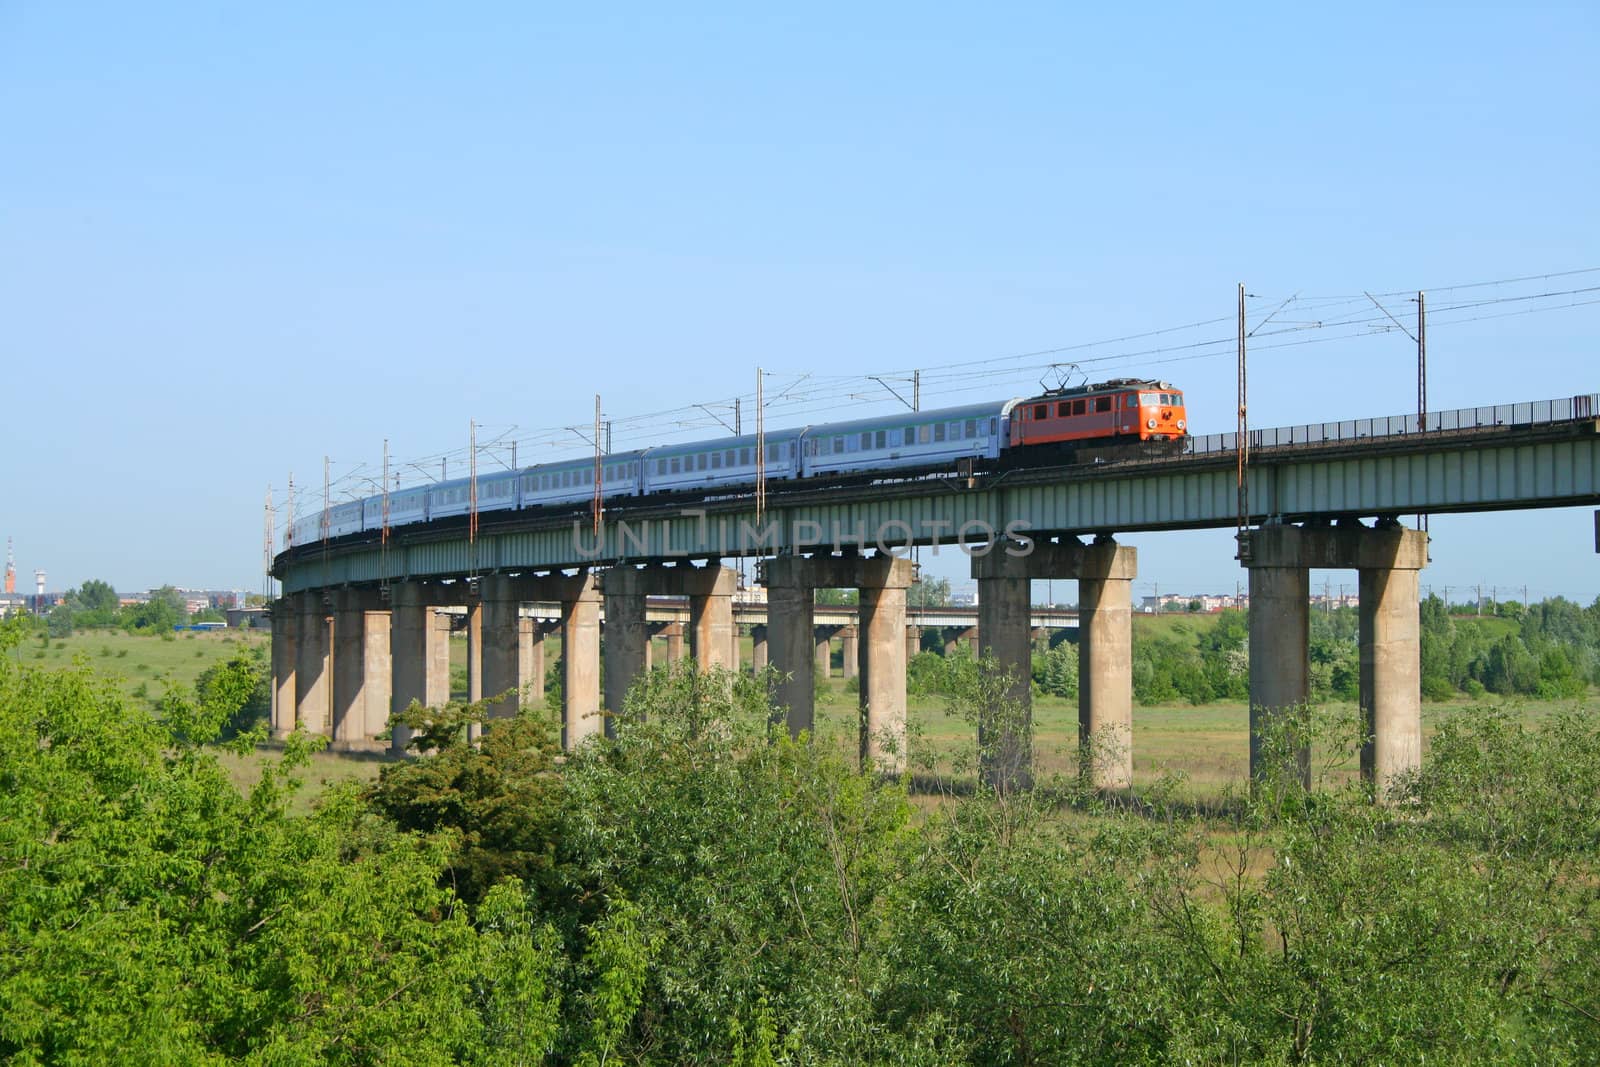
{"x": 1102, "y": 403}
{"x": 1041, "y": 411}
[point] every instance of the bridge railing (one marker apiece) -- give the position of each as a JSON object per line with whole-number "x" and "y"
{"x": 1530, "y": 413}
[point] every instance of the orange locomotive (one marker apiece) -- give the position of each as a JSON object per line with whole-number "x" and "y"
{"x": 1121, "y": 411}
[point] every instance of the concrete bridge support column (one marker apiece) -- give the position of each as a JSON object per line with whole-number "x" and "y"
{"x": 758, "y": 649}
{"x": 674, "y": 634}
{"x": 1280, "y": 671}
{"x": 1391, "y": 655}
{"x": 410, "y": 628}
{"x": 380, "y": 675}
{"x": 313, "y": 648}
{"x": 882, "y": 661}
{"x": 530, "y": 660}
{"x": 712, "y": 635}
{"x": 954, "y": 636}
{"x": 500, "y": 632}
{"x": 626, "y": 641}
{"x": 1105, "y": 664}
{"x": 824, "y": 651}
{"x": 474, "y": 651}
{"x": 1388, "y": 559}
{"x": 913, "y": 642}
{"x": 882, "y": 580}
{"x": 440, "y": 627}
{"x": 850, "y": 654}
{"x": 1105, "y": 571}
{"x": 354, "y": 612}
{"x": 284, "y": 627}
{"x": 1004, "y": 733}
{"x": 791, "y": 613}
{"x": 580, "y": 660}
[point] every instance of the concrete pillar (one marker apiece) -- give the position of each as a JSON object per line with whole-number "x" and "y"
{"x": 474, "y": 651}
{"x": 1280, "y": 670}
{"x": 358, "y": 674}
{"x": 791, "y": 642}
{"x": 851, "y": 654}
{"x": 284, "y": 652}
{"x": 758, "y": 649}
{"x": 1105, "y": 664}
{"x": 627, "y": 642}
{"x": 1004, "y": 742}
{"x": 954, "y": 636}
{"x": 1391, "y": 658}
{"x": 313, "y": 646}
{"x": 711, "y": 629}
{"x": 530, "y": 660}
{"x": 500, "y": 633}
{"x": 824, "y": 651}
{"x": 913, "y": 642}
{"x": 440, "y": 626}
{"x": 580, "y": 661}
{"x": 882, "y": 662}
{"x": 410, "y": 627}
{"x": 380, "y": 674}
{"x": 674, "y": 633}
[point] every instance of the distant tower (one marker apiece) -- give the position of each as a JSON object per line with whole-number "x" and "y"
{"x": 11, "y": 568}
{"x": 38, "y": 582}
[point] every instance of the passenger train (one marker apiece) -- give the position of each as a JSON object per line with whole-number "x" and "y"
{"x": 1059, "y": 425}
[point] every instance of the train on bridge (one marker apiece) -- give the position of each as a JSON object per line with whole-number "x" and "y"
{"x": 1058, "y": 425}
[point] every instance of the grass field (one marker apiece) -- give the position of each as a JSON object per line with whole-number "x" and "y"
{"x": 1206, "y": 747}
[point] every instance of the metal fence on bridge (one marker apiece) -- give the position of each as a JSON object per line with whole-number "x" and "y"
{"x": 1531, "y": 413}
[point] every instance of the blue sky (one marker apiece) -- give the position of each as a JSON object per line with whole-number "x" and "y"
{"x": 236, "y": 241}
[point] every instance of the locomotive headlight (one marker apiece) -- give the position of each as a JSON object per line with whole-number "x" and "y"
{"x": 1180, "y": 424}
{"x": 1150, "y": 423}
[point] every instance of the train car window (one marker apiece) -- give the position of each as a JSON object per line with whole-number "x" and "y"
{"x": 881, "y": 439}
{"x": 938, "y": 431}
{"x": 744, "y": 457}
{"x": 1063, "y": 409}
{"x": 704, "y": 461}
{"x": 972, "y": 427}
{"x": 727, "y": 458}
{"x": 994, "y": 426}
{"x": 1102, "y": 403}
{"x": 866, "y": 440}
{"x": 1041, "y": 411}
{"x": 924, "y": 433}
{"x": 716, "y": 461}
{"x": 838, "y": 444}
{"x": 674, "y": 464}
{"x": 908, "y": 436}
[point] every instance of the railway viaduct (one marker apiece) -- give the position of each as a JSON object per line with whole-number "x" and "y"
{"x": 360, "y": 630}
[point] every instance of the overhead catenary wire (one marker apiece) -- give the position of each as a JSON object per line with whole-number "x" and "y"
{"x": 1292, "y": 322}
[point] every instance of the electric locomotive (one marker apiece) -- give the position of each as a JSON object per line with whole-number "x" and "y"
{"x": 1133, "y": 416}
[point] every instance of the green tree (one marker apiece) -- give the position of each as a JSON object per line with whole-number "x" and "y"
{"x": 164, "y": 609}
{"x": 929, "y": 592}
{"x": 98, "y": 597}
